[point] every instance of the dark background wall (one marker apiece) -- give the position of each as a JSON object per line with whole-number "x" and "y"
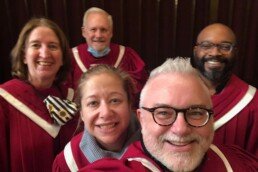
{"x": 156, "y": 29}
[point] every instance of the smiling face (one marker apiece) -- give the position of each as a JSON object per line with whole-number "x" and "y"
{"x": 97, "y": 31}
{"x": 214, "y": 64}
{"x": 43, "y": 56}
{"x": 105, "y": 110}
{"x": 179, "y": 146}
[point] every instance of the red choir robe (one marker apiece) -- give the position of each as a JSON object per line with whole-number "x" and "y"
{"x": 24, "y": 145}
{"x": 84, "y": 165}
{"x": 135, "y": 159}
{"x": 242, "y": 129}
{"x": 131, "y": 63}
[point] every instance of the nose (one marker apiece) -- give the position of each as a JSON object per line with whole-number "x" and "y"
{"x": 180, "y": 126}
{"x": 44, "y": 51}
{"x": 105, "y": 111}
{"x": 98, "y": 33}
{"x": 215, "y": 51}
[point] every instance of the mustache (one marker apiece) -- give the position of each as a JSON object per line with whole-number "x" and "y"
{"x": 175, "y": 138}
{"x": 98, "y": 40}
{"x": 215, "y": 58}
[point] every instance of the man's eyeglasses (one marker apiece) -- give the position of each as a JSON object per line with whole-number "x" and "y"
{"x": 224, "y": 48}
{"x": 194, "y": 116}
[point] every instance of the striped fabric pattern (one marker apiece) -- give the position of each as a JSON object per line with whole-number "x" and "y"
{"x": 60, "y": 110}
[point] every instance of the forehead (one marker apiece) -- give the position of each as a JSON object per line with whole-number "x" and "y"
{"x": 103, "y": 81}
{"x": 97, "y": 19}
{"x": 44, "y": 33}
{"x": 216, "y": 34}
{"x": 178, "y": 90}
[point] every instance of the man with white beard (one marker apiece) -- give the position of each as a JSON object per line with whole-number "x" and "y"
{"x": 176, "y": 120}
{"x": 176, "y": 117}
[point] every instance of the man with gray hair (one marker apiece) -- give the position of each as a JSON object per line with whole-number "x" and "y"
{"x": 176, "y": 117}
{"x": 176, "y": 120}
{"x": 97, "y": 30}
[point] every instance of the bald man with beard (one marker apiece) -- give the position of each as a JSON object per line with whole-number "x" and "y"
{"x": 235, "y": 103}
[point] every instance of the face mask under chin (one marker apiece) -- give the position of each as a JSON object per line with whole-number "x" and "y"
{"x": 98, "y": 54}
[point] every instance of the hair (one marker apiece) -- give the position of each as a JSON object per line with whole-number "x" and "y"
{"x": 128, "y": 83}
{"x": 179, "y": 65}
{"x": 19, "y": 69}
{"x": 97, "y": 10}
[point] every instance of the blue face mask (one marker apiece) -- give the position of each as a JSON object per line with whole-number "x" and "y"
{"x": 99, "y": 54}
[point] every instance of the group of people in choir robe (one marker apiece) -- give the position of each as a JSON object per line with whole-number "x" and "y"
{"x": 188, "y": 114}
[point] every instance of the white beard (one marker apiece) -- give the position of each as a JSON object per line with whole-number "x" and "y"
{"x": 177, "y": 161}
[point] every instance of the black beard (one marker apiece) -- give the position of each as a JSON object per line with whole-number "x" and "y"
{"x": 214, "y": 75}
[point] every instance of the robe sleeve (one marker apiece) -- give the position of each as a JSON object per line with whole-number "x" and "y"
{"x": 239, "y": 159}
{"x": 4, "y": 136}
{"x": 252, "y": 140}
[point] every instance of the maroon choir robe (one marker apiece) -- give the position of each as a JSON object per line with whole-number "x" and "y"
{"x": 242, "y": 129}
{"x": 130, "y": 62}
{"x": 24, "y": 145}
{"x": 136, "y": 159}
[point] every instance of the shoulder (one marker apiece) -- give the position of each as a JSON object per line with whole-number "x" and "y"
{"x": 238, "y": 159}
{"x": 59, "y": 163}
{"x": 80, "y": 46}
{"x": 12, "y": 83}
{"x": 67, "y": 155}
{"x": 235, "y": 80}
{"x": 76, "y": 139}
{"x": 128, "y": 50}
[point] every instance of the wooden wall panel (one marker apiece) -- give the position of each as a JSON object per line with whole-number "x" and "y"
{"x": 156, "y": 29}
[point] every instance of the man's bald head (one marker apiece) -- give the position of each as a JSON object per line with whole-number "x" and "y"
{"x": 216, "y": 29}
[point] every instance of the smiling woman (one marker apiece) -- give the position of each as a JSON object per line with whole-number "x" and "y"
{"x": 29, "y": 137}
{"x": 43, "y": 56}
{"x": 105, "y": 95}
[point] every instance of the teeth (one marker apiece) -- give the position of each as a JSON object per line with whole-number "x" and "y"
{"x": 176, "y": 143}
{"x": 44, "y": 63}
{"x": 180, "y": 143}
{"x": 107, "y": 126}
{"x": 213, "y": 62}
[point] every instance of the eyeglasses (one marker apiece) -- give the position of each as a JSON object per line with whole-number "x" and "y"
{"x": 194, "y": 116}
{"x": 224, "y": 48}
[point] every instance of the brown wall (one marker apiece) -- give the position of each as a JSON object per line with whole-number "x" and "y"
{"x": 156, "y": 29}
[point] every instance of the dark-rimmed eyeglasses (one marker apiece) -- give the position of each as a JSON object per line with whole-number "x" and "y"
{"x": 194, "y": 116}
{"x": 224, "y": 48}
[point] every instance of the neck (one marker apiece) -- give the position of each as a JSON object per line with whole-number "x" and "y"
{"x": 41, "y": 84}
{"x": 115, "y": 147}
{"x": 211, "y": 85}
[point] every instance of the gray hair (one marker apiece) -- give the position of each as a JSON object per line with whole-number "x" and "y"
{"x": 179, "y": 65}
{"x": 97, "y": 10}
{"x": 175, "y": 65}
